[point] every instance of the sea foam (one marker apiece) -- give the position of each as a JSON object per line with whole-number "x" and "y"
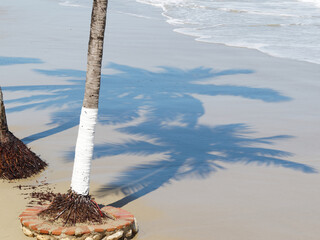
{"x": 74, "y": 3}
{"x": 287, "y": 29}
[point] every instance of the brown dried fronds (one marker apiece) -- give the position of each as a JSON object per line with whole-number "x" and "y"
{"x": 41, "y": 198}
{"x": 17, "y": 160}
{"x": 71, "y": 208}
{"x": 42, "y": 193}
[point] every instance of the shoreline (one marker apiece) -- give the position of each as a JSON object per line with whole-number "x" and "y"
{"x": 194, "y": 139}
{"x": 202, "y": 38}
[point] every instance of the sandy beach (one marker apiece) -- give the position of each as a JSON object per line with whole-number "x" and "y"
{"x": 197, "y": 140}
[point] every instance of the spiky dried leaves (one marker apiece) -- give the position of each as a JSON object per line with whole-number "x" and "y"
{"x": 17, "y": 160}
{"x": 71, "y": 208}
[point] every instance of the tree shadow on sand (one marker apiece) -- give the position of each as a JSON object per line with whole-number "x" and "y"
{"x": 124, "y": 93}
{"x": 170, "y": 123}
{"x": 189, "y": 152}
{"x": 7, "y": 61}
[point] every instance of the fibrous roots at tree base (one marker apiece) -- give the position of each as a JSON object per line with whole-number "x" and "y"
{"x": 17, "y": 160}
{"x": 71, "y": 208}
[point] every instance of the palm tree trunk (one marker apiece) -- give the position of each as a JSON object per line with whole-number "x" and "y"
{"x": 89, "y": 112}
{"x": 3, "y": 119}
{"x": 76, "y": 206}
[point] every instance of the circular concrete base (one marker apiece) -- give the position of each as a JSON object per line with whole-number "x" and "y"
{"x": 123, "y": 227}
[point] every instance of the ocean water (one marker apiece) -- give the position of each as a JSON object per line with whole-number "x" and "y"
{"x": 288, "y": 28}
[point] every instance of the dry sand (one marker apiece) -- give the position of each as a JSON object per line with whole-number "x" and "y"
{"x": 233, "y": 157}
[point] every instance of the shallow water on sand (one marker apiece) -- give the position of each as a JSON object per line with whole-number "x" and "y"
{"x": 287, "y": 29}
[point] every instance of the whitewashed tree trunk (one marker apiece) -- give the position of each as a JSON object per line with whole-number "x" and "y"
{"x": 88, "y": 119}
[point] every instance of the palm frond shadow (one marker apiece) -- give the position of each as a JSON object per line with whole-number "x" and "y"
{"x": 7, "y": 61}
{"x": 191, "y": 150}
{"x": 124, "y": 93}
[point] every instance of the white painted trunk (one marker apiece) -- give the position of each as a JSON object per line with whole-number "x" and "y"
{"x": 84, "y": 151}
{"x": 84, "y": 146}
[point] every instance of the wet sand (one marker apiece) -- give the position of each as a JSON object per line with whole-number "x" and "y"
{"x": 198, "y": 141}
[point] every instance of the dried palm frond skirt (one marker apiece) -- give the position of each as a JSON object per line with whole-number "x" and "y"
{"x": 17, "y": 160}
{"x": 71, "y": 208}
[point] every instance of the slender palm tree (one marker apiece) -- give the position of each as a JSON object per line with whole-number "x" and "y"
{"x": 16, "y": 159}
{"x": 89, "y": 112}
{"x": 77, "y": 206}
{"x": 3, "y": 119}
